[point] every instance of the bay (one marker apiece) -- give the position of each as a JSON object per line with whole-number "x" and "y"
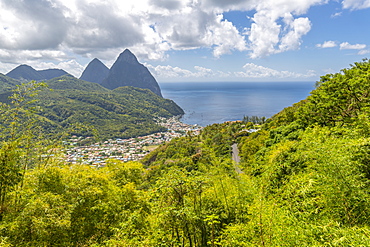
{"x": 206, "y": 103}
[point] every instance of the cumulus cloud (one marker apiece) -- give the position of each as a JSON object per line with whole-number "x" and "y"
{"x": 327, "y": 44}
{"x": 292, "y": 39}
{"x": 25, "y": 56}
{"x": 151, "y": 27}
{"x": 275, "y": 28}
{"x": 229, "y": 5}
{"x": 193, "y": 28}
{"x": 51, "y": 29}
{"x": 252, "y": 70}
{"x": 6, "y": 67}
{"x": 168, "y": 72}
{"x": 99, "y": 27}
{"x": 225, "y": 37}
{"x": 348, "y": 46}
{"x": 363, "y": 52}
{"x": 31, "y": 25}
{"x": 249, "y": 71}
{"x": 356, "y": 4}
{"x": 87, "y": 27}
{"x": 167, "y": 4}
{"x": 70, "y": 66}
{"x": 343, "y": 46}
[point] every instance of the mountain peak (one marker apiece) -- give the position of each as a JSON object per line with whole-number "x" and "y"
{"x": 127, "y": 71}
{"x": 25, "y": 66}
{"x": 128, "y": 57}
{"x": 26, "y": 72}
{"x": 95, "y": 71}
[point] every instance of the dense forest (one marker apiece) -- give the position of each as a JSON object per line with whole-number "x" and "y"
{"x": 66, "y": 101}
{"x": 303, "y": 180}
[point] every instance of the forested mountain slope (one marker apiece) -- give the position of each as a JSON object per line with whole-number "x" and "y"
{"x": 7, "y": 83}
{"x": 27, "y": 73}
{"x": 127, "y": 71}
{"x": 306, "y": 173}
{"x": 304, "y": 181}
{"x": 120, "y": 113}
{"x": 95, "y": 71}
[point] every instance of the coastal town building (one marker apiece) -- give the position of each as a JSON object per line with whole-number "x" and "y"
{"x": 131, "y": 149}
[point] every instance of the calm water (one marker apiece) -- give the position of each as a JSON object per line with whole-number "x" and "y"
{"x": 215, "y": 102}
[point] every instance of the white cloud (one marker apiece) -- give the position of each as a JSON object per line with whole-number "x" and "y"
{"x": 193, "y": 28}
{"x": 336, "y": 15}
{"x": 275, "y": 29}
{"x": 229, "y": 5}
{"x": 348, "y": 46}
{"x": 343, "y": 46}
{"x": 226, "y": 38}
{"x": 151, "y": 27}
{"x": 363, "y": 52}
{"x": 26, "y": 56}
{"x": 88, "y": 27}
{"x": 72, "y": 67}
{"x": 6, "y": 67}
{"x": 252, "y": 70}
{"x": 356, "y": 4}
{"x": 264, "y": 34}
{"x": 167, "y": 4}
{"x": 292, "y": 40}
{"x": 51, "y": 29}
{"x": 31, "y": 25}
{"x": 166, "y": 72}
{"x": 327, "y": 44}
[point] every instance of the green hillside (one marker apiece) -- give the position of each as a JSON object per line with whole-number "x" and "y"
{"x": 303, "y": 180}
{"x": 7, "y": 83}
{"x": 121, "y": 113}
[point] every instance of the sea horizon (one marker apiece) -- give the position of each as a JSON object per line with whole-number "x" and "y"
{"x": 207, "y": 103}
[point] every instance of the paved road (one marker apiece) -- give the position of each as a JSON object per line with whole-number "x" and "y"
{"x": 236, "y": 157}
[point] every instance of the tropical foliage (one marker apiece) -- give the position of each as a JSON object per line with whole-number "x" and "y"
{"x": 120, "y": 113}
{"x": 303, "y": 180}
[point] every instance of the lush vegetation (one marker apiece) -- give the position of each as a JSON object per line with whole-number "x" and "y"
{"x": 120, "y": 113}
{"x": 303, "y": 180}
{"x": 7, "y": 83}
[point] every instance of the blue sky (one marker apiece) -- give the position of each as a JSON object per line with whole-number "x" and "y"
{"x": 189, "y": 40}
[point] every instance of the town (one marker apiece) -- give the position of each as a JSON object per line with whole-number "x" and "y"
{"x": 131, "y": 149}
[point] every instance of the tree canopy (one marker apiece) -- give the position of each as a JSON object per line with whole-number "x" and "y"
{"x": 303, "y": 180}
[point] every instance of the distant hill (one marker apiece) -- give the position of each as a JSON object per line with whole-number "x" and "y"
{"x": 7, "y": 83}
{"x": 127, "y": 71}
{"x": 119, "y": 113}
{"x": 48, "y": 74}
{"x": 95, "y": 71}
{"x": 27, "y": 73}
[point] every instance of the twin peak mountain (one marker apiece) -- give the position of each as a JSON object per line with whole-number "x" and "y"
{"x": 126, "y": 71}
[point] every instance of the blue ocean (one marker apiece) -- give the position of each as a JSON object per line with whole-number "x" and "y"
{"x": 206, "y": 103}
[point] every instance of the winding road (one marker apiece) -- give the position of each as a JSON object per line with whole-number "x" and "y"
{"x": 236, "y": 157}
